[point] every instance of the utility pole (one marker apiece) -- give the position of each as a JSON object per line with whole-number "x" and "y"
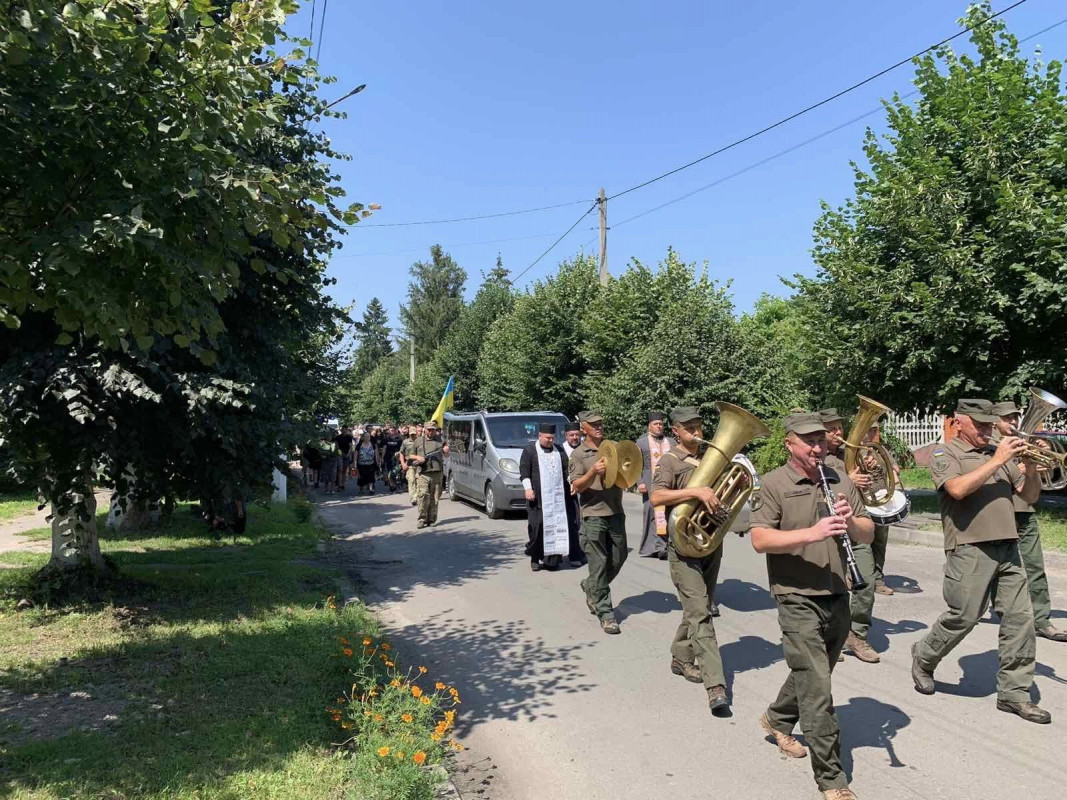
{"x": 602, "y": 201}
{"x": 412, "y": 359}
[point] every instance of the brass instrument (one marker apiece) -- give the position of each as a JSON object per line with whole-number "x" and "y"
{"x": 857, "y": 452}
{"x": 1041, "y": 404}
{"x": 694, "y": 530}
{"x": 624, "y": 463}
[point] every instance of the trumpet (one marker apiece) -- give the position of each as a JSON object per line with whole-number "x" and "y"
{"x": 1044, "y": 459}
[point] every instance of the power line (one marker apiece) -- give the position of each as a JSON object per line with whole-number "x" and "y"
{"x": 311, "y": 31}
{"x": 814, "y": 106}
{"x": 552, "y": 246}
{"x": 467, "y": 219}
{"x": 448, "y": 247}
{"x": 800, "y": 145}
{"x": 322, "y": 24}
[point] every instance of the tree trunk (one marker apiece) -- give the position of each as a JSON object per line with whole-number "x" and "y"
{"x": 75, "y": 544}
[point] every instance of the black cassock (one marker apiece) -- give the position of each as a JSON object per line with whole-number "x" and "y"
{"x": 529, "y": 467}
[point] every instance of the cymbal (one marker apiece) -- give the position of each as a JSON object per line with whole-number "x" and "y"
{"x": 631, "y": 463}
{"x": 609, "y": 453}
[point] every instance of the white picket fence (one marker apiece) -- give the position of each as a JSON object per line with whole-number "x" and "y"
{"x": 918, "y": 430}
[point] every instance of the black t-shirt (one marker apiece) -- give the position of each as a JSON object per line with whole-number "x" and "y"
{"x": 391, "y": 444}
{"x": 343, "y": 442}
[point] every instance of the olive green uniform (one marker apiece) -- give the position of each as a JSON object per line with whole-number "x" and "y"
{"x": 407, "y": 449}
{"x": 870, "y": 560}
{"x": 603, "y": 533}
{"x": 431, "y": 476}
{"x": 813, "y": 613}
{"x": 982, "y": 551}
{"x": 695, "y": 580}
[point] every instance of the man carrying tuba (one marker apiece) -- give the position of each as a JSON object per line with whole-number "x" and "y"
{"x": 695, "y": 650}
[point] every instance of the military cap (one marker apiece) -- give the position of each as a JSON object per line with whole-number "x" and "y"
{"x": 590, "y": 417}
{"x": 804, "y": 423}
{"x": 828, "y": 415}
{"x": 1006, "y": 408}
{"x": 684, "y": 414}
{"x": 430, "y": 424}
{"x": 978, "y": 410}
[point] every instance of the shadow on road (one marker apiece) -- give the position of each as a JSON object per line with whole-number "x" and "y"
{"x": 655, "y": 601}
{"x": 880, "y": 631}
{"x": 510, "y": 671}
{"x": 743, "y": 596}
{"x": 747, "y": 653}
{"x": 903, "y": 584}
{"x": 866, "y": 722}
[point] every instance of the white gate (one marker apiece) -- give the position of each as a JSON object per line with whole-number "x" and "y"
{"x": 918, "y": 430}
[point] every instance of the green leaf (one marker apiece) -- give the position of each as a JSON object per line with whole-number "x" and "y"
{"x": 64, "y": 338}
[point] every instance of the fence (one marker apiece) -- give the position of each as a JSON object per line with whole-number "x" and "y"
{"x": 918, "y": 430}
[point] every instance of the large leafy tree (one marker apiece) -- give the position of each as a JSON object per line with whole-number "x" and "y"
{"x": 945, "y": 274}
{"x": 435, "y": 301}
{"x": 162, "y": 246}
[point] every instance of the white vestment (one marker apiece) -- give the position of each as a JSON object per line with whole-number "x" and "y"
{"x": 553, "y": 502}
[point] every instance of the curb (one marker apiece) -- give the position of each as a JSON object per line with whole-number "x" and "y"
{"x": 899, "y": 534}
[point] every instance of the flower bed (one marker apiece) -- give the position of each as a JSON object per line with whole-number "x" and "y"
{"x": 397, "y": 721}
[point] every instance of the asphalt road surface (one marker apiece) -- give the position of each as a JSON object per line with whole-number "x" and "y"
{"x": 553, "y": 708}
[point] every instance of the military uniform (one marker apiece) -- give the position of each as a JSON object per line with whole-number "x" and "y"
{"x": 430, "y": 479}
{"x": 694, "y": 578}
{"x": 981, "y": 551}
{"x": 407, "y": 449}
{"x": 813, "y": 611}
{"x": 603, "y": 532}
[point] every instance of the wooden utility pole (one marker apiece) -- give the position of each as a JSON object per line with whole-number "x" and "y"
{"x": 412, "y": 359}
{"x": 602, "y": 201}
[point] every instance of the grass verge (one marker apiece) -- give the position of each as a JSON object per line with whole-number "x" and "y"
{"x": 16, "y": 504}
{"x": 204, "y": 675}
{"x": 916, "y": 478}
{"x": 1052, "y": 522}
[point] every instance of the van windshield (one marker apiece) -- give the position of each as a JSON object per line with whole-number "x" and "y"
{"x": 517, "y": 431}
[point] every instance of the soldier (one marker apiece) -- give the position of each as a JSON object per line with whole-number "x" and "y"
{"x": 975, "y": 487}
{"x": 411, "y": 474}
{"x": 428, "y": 455}
{"x": 694, "y": 643}
{"x": 603, "y": 534}
{"x": 806, "y": 568}
{"x": 1033, "y": 557}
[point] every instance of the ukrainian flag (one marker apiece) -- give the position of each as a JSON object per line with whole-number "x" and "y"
{"x": 447, "y": 401}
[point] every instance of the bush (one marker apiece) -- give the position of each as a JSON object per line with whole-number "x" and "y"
{"x": 301, "y": 509}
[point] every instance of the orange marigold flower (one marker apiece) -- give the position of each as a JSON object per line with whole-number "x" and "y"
{"x": 377, "y": 717}
{"x": 424, "y": 700}
{"x": 439, "y": 686}
{"x": 368, "y": 714}
{"x": 383, "y": 751}
{"x": 419, "y": 757}
{"x": 406, "y": 717}
{"x": 385, "y": 647}
{"x": 399, "y": 754}
{"x": 457, "y": 746}
{"x": 346, "y": 725}
{"x": 436, "y": 737}
{"x": 422, "y": 670}
{"x": 395, "y": 683}
{"x": 366, "y": 640}
{"x": 416, "y": 691}
{"x": 373, "y": 693}
{"x": 344, "y": 640}
{"x": 389, "y": 664}
{"x": 347, "y": 651}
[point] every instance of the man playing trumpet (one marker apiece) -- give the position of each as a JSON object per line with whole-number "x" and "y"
{"x": 695, "y": 650}
{"x": 976, "y": 485}
{"x": 1033, "y": 557}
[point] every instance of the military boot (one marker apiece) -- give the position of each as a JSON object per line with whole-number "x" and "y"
{"x": 859, "y": 648}
{"x": 1031, "y": 712}
{"x": 839, "y": 794}
{"x": 1052, "y": 633}
{"x": 718, "y": 702}
{"x": 687, "y": 669}
{"x": 787, "y": 745}
{"x": 924, "y": 680}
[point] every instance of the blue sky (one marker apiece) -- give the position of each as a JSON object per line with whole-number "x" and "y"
{"x": 480, "y": 107}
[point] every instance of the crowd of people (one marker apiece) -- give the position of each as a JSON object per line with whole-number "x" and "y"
{"x": 368, "y": 454}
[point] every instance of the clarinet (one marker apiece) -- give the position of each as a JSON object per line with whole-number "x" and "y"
{"x": 850, "y": 558}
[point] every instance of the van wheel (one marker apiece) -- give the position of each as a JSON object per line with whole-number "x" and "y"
{"x": 491, "y": 510}
{"x": 452, "y": 486}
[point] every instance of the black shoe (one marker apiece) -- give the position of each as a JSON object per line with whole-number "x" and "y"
{"x": 535, "y": 566}
{"x": 924, "y": 681}
{"x": 718, "y": 702}
{"x": 662, "y": 555}
{"x": 575, "y": 563}
{"x": 1031, "y": 712}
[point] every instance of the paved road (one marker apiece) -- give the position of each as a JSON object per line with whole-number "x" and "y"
{"x": 553, "y": 708}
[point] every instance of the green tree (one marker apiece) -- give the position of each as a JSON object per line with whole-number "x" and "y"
{"x": 372, "y": 333}
{"x": 532, "y": 357}
{"x": 384, "y": 394}
{"x": 945, "y": 274}
{"x": 784, "y": 369}
{"x": 435, "y": 301}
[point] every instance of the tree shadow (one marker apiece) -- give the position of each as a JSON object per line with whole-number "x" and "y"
{"x": 880, "y": 631}
{"x": 652, "y": 600}
{"x": 501, "y": 668}
{"x": 743, "y": 596}
{"x": 748, "y": 653}
{"x": 866, "y": 722}
{"x": 903, "y": 584}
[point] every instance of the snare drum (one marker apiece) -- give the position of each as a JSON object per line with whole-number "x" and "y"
{"x": 894, "y": 511}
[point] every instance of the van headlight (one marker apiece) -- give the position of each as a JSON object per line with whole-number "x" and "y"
{"x": 509, "y": 465}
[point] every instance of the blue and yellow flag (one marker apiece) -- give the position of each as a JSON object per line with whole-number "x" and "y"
{"x": 447, "y": 401}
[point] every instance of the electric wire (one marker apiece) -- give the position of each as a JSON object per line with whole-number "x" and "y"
{"x": 450, "y": 247}
{"x": 467, "y": 219}
{"x": 552, "y": 246}
{"x": 814, "y": 106}
{"x": 322, "y": 24}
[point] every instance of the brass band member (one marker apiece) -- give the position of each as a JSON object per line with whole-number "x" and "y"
{"x": 975, "y": 486}
{"x": 1030, "y": 552}
{"x": 806, "y": 568}
{"x": 695, "y": 650}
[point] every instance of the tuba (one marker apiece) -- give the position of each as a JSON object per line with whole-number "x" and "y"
{"x": 1041, "y": 404}
{"x": 695, "y": 532}
{"x": 857, "y": 452}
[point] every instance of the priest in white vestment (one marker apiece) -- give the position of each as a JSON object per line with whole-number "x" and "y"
{"x": 552, "y": 530}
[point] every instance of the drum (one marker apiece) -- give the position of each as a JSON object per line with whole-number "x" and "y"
{"x": 894, "y": 511}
